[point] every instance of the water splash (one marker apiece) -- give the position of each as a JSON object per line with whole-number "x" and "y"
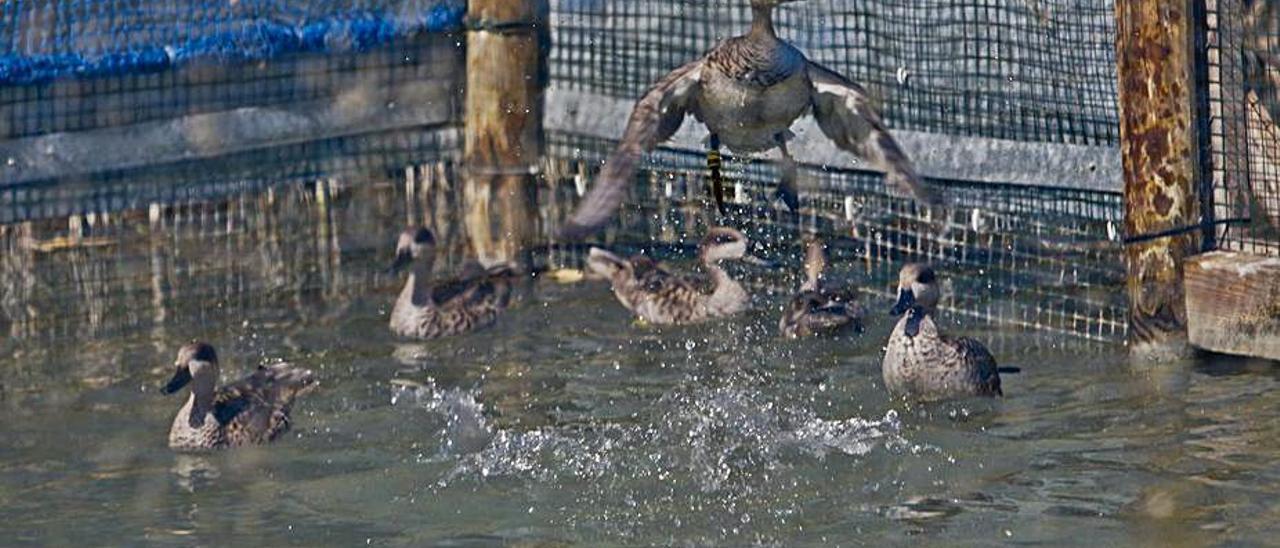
{"x": 466, "y": 429}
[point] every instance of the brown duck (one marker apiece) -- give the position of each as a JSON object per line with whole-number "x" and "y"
{"x": 747, "y": 91}
{"x": 428, "y": 309}
{"x": 251, "y": 411}
{"x": 819, "y": 308}
{"x": 922, "y": 363}
{"x": 659, "y": 296}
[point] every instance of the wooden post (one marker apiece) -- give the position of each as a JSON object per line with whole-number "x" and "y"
{"x": 1158, "y": 143}
{"x": 506, "y": 48}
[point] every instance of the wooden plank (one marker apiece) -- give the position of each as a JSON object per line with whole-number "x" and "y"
{"x": 1157, "y": 146}
{"x": 1233, "y": 303}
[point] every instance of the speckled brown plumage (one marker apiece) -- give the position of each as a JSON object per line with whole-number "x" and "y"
{"x": 251, "y": 411}
{"x": 659, "y": 296}
{"x": 933, "y": 366}
{"x": 427, "y": 309}
{"x": 922, "y": 363}
{"x": 748, "y": 91}
{"x": 820, "y": 308}
{"x": 821, "y": 313}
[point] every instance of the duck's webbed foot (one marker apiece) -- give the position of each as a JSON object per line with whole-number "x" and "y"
{"x": 714, "y": 162}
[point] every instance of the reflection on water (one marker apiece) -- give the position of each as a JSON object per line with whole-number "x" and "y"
{"x": 566, "y": 423}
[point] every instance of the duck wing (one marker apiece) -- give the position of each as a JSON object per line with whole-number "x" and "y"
{"x": 655, "y": 119}
{"x": 821, "y": 312}
{"x": 975, "y": 354}
{"x": 846, "y": 116}
{"x": 483, "y": 288}
{"x": 273, "y": 386}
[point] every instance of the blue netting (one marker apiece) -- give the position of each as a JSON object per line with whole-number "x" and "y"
{"x": 41, "y": 40}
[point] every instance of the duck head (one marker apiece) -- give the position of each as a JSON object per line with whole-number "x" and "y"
{"x": 415, "y": 243}
{"x": 723, "y": 243}
{"x": 197, "y": 365}
{"x": 815, "y": 262}
{"x": 762, "y": 16}
{"x": 918, "y": 294}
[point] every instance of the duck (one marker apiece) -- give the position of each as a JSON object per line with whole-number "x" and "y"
{"x": 819, "y": 309}
{"x": 251, "y": 411}
{"x": 658, "y": 296}
{"x": 429, "y": 309}
{"x": 748, "y": 91}
{"x": 921, "y": 362}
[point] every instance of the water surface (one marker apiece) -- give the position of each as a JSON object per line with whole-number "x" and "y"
{"x": 567, "y": 423}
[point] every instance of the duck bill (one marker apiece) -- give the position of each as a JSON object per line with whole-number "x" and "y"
{"x": 757, "y": 261}
{"x": 180, "y": 379}
{"x": 906, "y": 299}
{"x": 403, "y": 258}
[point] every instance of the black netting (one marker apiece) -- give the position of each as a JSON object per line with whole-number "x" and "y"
{"x": 1244, "y": 102}
{"x": 1046, "y": 260}
{"x": 1026, "y": 70}
{"x": 68, "y": 105}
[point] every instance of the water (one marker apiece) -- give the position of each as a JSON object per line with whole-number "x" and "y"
{"x": 568, "y": 424}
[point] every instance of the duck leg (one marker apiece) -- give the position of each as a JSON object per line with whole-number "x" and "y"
{"x": 714, "y": 162}
{"x": 788, "y": 184}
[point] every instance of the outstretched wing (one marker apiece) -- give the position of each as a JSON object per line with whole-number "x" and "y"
{"x": 655, "y": 118}
{"x": 845, "y": 115}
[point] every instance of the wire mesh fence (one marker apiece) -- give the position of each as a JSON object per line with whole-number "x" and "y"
{"x": 1039, "y": 259}
{"x": 83, "y": 104}
{"x": 1243, "y": 73}
{"x": 1019, "y": 254}
{"x": 1041, "y": 72}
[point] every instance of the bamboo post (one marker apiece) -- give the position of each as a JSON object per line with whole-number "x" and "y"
{"x": 506, "y": 45}
{"x": 1158, "y": 143}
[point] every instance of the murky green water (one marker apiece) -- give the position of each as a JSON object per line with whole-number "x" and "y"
{"x": 567, "y": 424}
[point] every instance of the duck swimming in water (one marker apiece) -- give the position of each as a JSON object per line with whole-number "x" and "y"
{"x": 747, "y": 91}
{"x": 429, "y": 309}
{"x": 819, "y": 309}
{"x": 922, "y": 363}
{"x": 251, "y": 411}
{"x": 659, "y": 296}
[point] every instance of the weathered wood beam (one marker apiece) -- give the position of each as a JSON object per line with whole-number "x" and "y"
{"x": 506, "y": 48}
{"x": 1233, "y": 303}
{"x": 1157, "y": 144}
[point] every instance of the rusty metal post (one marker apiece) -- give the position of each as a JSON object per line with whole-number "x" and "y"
{"x": 507, "y": 43}
{"x": 1154, "y": 41}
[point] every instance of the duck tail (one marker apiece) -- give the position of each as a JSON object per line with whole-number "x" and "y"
{"x": 1008, "y": 369}
{"x": 288, "y": 382}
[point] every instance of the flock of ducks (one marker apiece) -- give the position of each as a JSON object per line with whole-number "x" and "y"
{"x": 920, "y": 362}
{"x": 747, "y": 91}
